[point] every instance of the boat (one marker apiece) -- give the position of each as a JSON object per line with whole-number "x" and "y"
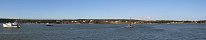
{"x": 129, "y": 25}
{"x": 15, "y": 24}
{"x": 47, "y": 24}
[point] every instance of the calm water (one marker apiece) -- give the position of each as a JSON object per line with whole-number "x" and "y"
{"x": 105, "y": 32}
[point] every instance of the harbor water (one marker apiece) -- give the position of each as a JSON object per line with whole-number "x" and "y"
{"x": 105, "y": 32}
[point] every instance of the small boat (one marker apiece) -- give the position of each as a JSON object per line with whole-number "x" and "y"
{"x": 129, "y": 25}
{"x": 47, "y": 24}
{"x": 15, "y": 24}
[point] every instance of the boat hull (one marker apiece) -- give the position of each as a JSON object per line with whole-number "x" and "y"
{"x": 49, "y": 25}
{"x": 6, "y": 25}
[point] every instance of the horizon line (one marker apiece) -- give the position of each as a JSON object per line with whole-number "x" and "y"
{"x": 96, "y": 18}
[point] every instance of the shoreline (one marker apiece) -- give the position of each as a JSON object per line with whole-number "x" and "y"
{"x": 101, "y": 21}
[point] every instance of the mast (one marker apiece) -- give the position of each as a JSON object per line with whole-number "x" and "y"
{"x": 130, "y": 22}
{"x": 17, "y": 23}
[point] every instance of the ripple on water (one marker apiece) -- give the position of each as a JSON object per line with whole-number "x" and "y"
{"x": 105, "y": 32}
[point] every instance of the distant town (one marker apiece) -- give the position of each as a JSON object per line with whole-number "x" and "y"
{"x": 99, "y": 21}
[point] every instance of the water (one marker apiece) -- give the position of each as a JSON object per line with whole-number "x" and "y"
{"x": 105, "y": 32}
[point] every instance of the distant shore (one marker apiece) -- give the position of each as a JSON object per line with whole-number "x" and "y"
{"x": 101, "y": 21}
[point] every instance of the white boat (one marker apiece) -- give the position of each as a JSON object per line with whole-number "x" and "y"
{"x": 11, "y": 25}
{"x": 15, "y": 24}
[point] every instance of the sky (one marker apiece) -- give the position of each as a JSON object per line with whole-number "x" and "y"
{"x": 104, "y": 9}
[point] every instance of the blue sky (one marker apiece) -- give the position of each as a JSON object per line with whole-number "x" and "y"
{"x": 104, "y": 9}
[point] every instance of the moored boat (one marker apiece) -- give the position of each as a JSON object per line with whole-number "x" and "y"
{"x": 49, "y": 24}
{"x": 129, "y": 25}
{"x": 5, "y": 25}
